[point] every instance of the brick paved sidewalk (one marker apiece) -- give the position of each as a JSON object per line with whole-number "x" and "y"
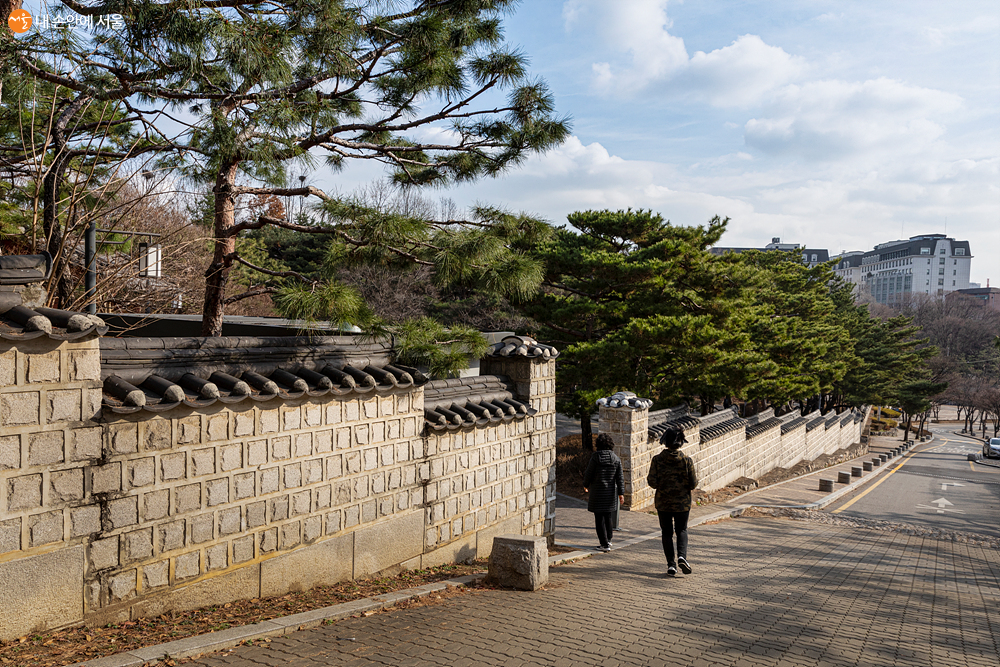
{"x": 764, "y": 592}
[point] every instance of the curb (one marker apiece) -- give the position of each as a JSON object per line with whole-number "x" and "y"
{"x": 276, "y": 627}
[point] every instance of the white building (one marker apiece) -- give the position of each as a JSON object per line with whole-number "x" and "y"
{"x": 932, "y": 264}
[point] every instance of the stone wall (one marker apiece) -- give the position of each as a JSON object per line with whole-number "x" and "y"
{"x": 723, "y": 446}
{"x": 106, "y": 517}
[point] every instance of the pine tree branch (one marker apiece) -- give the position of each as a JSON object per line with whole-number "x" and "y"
{"x": 235, "y": 256}
{"x": 252, "y": 293}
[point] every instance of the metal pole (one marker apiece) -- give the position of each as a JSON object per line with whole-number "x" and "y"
{"x": 90, "y": 257}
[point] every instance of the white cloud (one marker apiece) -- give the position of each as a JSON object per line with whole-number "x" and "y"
{"x": 836, "y": 119}
{"x": 644, "y": 54}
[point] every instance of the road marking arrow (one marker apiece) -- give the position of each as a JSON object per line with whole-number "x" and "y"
{"x": 944, "y": 487}
{"x": 941, "y": 503}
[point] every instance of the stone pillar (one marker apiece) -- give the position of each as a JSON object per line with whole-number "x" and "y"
{"x": 534, "y": 383}
{"x": 626, "y": 420}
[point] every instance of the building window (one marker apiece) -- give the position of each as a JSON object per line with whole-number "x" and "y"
{"x": 952, "y": 283}
{"x": 941, "y": 261}
{"x": 959, "y": 251}
{"x": 815, "y": 257}
{"x": 954, "y": 273}
{"x": 942, "y": 251}
{"x": 940, "y": 272}
{"x": 925, "y": 251}
{"x": 940, "y": 281}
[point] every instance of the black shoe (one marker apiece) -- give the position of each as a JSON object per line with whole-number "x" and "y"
{"x": 685, "y": 568}
{"x": 671, "y": 571}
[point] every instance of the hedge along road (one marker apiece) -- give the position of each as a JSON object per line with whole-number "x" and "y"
{"x": 935, "y": 485}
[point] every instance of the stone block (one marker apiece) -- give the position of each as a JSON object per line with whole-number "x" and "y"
{"x": 257, "y": 452}
{"x": 8, "y": 368}
{"x": 334, "y": 522}
{"x": 323, "y": 497}
{"x": 277, "y": 508}
{"x": 91, "y": 403}
{"x": 229, "y": 521}
{"x": 10, "y": 535}
{"x": 291, "y": 418}
{"x": 123, "y": 438}
{"x": 169, "y": 536}
{"x": 312, "y": 471}
{"x": 122, "y": 586}
{"x": 322, "y": 564}
{"x": 244, "y": 485}
{"x": 41, "y": 591}
{"x": 155, "y": 505}
{"x": 292, "y": 476}
{"x": 230, "y": 457}
{"x": 268, "y": 421}
{"x": 281, "y": 447}
{"x": 173, "y": 466}
{"x": 343, "y": 438}
{"x": 137, "y": 545}
{"x": 256, "y": 514}
{"x": 203, "y": 462}
{"x": 45, "y": 528}
{"x": 156, "y": 434}
{"x": 43, "y": 367}
{"x": 123, "y": 512}
{"x": 106, "y": 479}
{"x": 312, "y": 529}
{"x": 301, "y": 503}
{"x": 66, "y": 485}
{"x": 352, "y": 410}
{"x": 24, "y": 493}
{"x": 45, "y": 448}
{"x": 217, "y": 491}
{"x": 187, "y": 566}
{"x": 217, "y": 557}
{"x": 269, "y": 480}
{"x": 520, "y": 562}
{"x": 84, "y": 444}
{"x": 218, "y": 427}
{"x": 241, "y": 584}
{"x": 388, "y": 543}
{"x": 10, "y": 452}
{"x": 312, "y": 415}
{"x": 19, "y": 409}
{"x": 155, "y": 575}
{"x": 269, "y": 541}
{"x": 63, "y": 405}
{"x": 303, "y": 445}
{"x": 362, "y": 434}
{"x": 84, "y": 520}
{"x": 202, "y": 528}
{"x": 187, "y": 498}
{"x": 103, "y": 554}
{"x": 334, "y": 412}
{"x": 243, "y": 549}
{"x": 290, "y": 535}
{"x": 84, "y": 365}
{"x": 189, "y": 430}
{"x": 243, "y": 423}
{"x": 140, "y": 472}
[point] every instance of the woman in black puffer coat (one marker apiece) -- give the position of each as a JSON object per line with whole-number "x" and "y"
{"x": 603, "y": 480}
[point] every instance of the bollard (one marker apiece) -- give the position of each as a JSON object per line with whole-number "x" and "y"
{"x": 867, "y": 465}
{"x": 826, "y": 485}
{"x": 856, "y": 471}
{"x": 843, "y": 477}
{"x": 877, "y": 462}
{"x": 883, "y": 458}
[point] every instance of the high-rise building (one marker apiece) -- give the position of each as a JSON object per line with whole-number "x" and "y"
{"x": 932, "y": 264}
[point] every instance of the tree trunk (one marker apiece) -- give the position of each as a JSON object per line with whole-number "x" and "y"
{"x": 217, "y": 274}
{"x": 587, "y": 432}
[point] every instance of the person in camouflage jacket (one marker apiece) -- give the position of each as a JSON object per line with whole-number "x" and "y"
{"x": 671, "y": 473}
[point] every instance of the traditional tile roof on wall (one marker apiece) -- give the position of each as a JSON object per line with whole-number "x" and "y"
{"x": 624, "y": 399}
{"x": 19, "y": 322}
{"x": 676, "y": 417}
{"x": 720, "y": 423}
{"x": 761, "y": 423}
{"x": 815, "y": 420}
{"x": 157, "y": 374}
{"x": 832, "y": 419}
{"x": 792, "y": 421}
{"x": 521, "y": 346}
{"x": 846, "y": 416}
{"x": 472, "y": 401}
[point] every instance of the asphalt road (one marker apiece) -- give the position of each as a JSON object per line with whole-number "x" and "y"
{"x": 934, "y": 485}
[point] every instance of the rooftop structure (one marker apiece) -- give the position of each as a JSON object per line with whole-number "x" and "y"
{"x": 810, "y": 256}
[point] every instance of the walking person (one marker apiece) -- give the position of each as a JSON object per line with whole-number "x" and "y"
{"x": 671, "y": 473}
{"x": 603, "y": 481}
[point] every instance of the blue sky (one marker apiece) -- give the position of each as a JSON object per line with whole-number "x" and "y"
{"x": 835, "y": 124}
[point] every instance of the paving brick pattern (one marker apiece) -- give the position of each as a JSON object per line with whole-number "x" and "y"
{"x": 764, "y": 592}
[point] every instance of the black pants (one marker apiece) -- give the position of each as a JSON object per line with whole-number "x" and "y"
{"x": 669, "y": 523}
{"x": 605, "y": 524}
